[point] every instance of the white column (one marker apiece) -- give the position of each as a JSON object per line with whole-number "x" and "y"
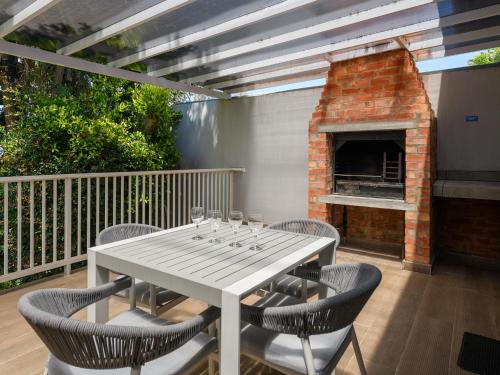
{"x": 99, "y": 311}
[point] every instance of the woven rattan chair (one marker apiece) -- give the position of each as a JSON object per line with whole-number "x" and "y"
{"x": 289, "y": 283}
{"x": 131, "y": 342}
{"x": 155, "y": 298}
{"x": 297, "y": 337}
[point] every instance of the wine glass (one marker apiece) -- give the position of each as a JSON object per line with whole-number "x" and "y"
{"x": 197, "y": 217}
{"x": 255, "y": 223}
{"x": 235, "y": 219}
{"x": 215, "y": 218}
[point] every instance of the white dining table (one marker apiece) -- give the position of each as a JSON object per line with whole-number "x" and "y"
{"x": 215, "y": 273}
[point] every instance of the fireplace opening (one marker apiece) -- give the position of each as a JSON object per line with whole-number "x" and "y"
{"x": 370, "y": 164}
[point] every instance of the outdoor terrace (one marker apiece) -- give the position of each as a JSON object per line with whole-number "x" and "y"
{"x": 413, "y": 323}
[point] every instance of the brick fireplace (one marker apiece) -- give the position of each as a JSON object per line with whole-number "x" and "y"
{"x": 372, "y": 156}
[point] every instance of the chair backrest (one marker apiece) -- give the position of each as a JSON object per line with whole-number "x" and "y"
{"x": 101, "y": 346}
{"x": 308, "y": 226}
{"x": 353, "y": 284}
{"x": 124, "y": 231}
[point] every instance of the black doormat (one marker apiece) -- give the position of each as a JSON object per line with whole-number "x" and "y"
{"x": 479, "y": 354}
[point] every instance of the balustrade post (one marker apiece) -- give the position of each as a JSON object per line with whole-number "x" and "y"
{"x": 67, "y": 223}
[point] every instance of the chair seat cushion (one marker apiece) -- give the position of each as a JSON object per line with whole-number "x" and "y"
{"x": 163, "y": 296}
{"x": 292, "y": 285}
{"x": 285, "y": 350}
{"x": 177, "y": 362}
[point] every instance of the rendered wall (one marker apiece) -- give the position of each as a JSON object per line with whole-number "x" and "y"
{"x": 267, "y": 135}
{"x": 467, "y": 146}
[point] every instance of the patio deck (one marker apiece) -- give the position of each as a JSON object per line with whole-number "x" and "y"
{"x": 413, "y": 324}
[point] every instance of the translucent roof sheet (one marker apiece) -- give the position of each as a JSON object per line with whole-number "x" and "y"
{"x": 141, "y": 45}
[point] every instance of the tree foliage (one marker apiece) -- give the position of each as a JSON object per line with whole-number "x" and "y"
{"x": 64, "y": 121}
{"x": 488, "y": 57}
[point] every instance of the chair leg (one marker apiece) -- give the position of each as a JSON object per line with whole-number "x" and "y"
{"x": 272, "y": 286}
{"x": 211, "y": 366}
{"x": 135, "y": 371}
{"x": 131, "y": 294}
{"x": 152, "y": 299}
{"x": 303, "y": 289}
{"x": 308, "y": 356}
{"x": 357, "y": 352}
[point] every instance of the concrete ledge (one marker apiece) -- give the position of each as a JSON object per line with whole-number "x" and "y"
{"x": 417, "y": 267}
{"x": 350, "y": 200}
{"x": 366, "y": 126}
{"x": 467, "y": 189}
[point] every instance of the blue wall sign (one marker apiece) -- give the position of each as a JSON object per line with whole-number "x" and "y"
{"x": 471, "y": 118}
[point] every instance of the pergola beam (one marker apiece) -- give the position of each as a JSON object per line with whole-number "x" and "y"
{"x": 375, "y": 12}
{"x": 126, "y": 24}
{"x": 356, "y": 42}
{"x": 92, "y": 67}
{"x": 231, "y": 25}
{"x": 25, "y": 15}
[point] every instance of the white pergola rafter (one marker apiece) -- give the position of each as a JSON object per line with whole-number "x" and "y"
{"x": 25, "y": 15}
{"x": 424, "y": 26}
{"x": 126, "y": 24}
{"x": 309, "y": 68}
{"x": 438, "y": 39}
{"x": 375, "y": 12}
{"x": 92, "y": 67}
{"x": 234, "y": 24}
{"x": 429, "y": 45}
{"x": 442, "y": 51}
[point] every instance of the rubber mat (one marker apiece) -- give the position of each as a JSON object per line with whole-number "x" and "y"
{"x": 479, "y": 354}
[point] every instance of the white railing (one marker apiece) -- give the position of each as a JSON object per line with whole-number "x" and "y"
{"x": 50, "y": 221}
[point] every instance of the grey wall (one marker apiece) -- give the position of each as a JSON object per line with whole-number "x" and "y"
{"x": 467, "y": 146}
{"x": 267, "y": 135}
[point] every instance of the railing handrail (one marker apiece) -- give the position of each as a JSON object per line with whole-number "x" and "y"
{"x": 50, "y": 177}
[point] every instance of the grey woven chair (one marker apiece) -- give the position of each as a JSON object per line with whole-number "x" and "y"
{"x": 131, "y": 342}
{"x": 297, "y": 337}
{"x": 290, "y": 283}
{"x": 155, "y": 298}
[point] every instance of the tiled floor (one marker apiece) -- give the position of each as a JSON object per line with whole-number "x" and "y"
{"x": 413, "y": 324}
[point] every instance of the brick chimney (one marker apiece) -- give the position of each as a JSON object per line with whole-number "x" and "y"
{"x": 380, "y": 90}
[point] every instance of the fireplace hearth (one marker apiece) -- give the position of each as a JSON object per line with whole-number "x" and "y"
{"x": 369, "y": 164}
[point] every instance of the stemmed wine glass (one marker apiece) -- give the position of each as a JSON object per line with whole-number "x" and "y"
{"x": 215, "y": 218}
{"x": 197, "y": 217}
{"x": 235, "y": 219}
{"x": 255, "y": 223}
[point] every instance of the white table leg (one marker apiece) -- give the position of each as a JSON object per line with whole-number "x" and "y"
{"x": 230, "y": 335}
{"x": 326, "y": 257}
{"x": 98, "y": 312}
